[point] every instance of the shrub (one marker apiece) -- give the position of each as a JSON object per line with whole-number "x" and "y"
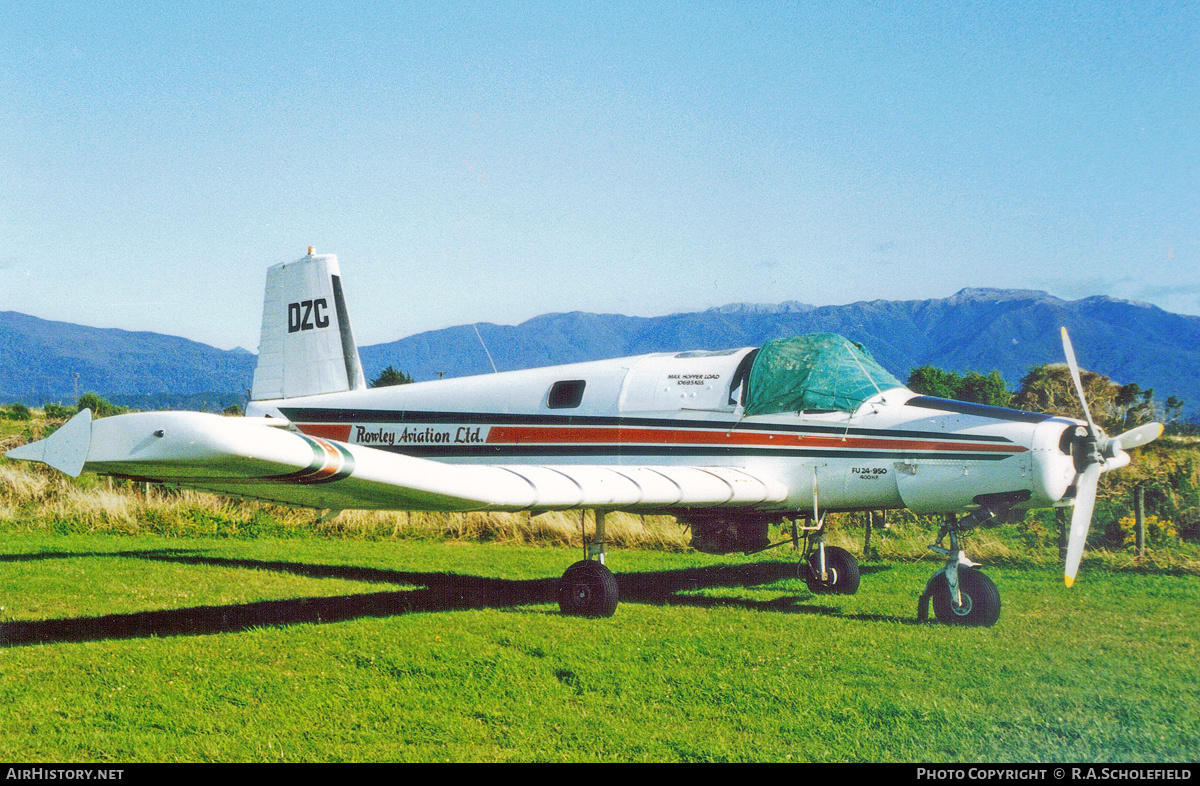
{"x": 100, "y": 407}
{"x": 18, "y": 411}
{"x": 1157, "y": 531}
{"x": 57, "y": 411}
{"x": 1038, "y": 530}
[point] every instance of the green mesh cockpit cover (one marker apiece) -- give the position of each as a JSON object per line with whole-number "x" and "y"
{"x": 814, "y": 372}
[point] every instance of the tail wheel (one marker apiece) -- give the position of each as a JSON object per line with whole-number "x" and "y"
{"x": 841, "y": 570}
{"x": 587, "y": 589}
{"x": 980, "y": 600}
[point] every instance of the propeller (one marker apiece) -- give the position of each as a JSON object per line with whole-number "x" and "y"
{"x": 1100, "y": 453}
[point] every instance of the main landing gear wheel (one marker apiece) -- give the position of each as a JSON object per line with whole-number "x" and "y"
{"x": 841, "y": 571}
{"x": 587, "y": 589}
{"x": 980, "y": 600}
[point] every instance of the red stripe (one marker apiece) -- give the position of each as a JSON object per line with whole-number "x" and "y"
{"x": 335, "y": 431}
{"x": 540, "y": 435}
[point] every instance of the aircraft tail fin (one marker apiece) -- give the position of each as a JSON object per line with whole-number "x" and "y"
{"x": 307, "y": 346}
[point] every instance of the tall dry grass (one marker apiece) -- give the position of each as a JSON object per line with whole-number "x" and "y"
{"x": 33, "y": 497}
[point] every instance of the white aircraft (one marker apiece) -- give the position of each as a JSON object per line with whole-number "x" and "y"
{"x": 728, "y": 441}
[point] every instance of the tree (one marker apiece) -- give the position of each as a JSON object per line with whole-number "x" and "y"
{"x": 982, "y": 389}
{"x": 1134, "y": 405}
{"x": 390, "y": 376}
{"x": 934, "y": 381}
{"x": 100, "y": 407}
{"x": 976, "y": 387}
{"x": 1114, "y": 407}
{"x": 1174, "y": 409}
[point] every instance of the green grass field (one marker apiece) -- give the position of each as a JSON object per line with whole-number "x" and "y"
{"x": 144, "y": 648}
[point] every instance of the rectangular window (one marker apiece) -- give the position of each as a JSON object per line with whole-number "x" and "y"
{"x": 566, "y": 395}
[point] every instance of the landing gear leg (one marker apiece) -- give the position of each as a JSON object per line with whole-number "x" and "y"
{"x": 588, "y": 588}
{"x": 827, "y": 569}
{"x": 961, "y": 594}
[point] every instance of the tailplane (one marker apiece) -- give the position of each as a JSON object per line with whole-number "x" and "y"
{"x": 307, "y": 346}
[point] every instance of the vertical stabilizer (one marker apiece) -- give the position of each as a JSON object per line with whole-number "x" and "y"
{"x": 307, "y": 346}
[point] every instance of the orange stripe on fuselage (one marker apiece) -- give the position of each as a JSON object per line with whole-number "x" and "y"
{"x": 335, "y": 431}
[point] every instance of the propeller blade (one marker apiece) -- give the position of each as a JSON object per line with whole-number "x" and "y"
{"x": 1136, "y": 437}
{"x": 1081, "y": 519}
{"x": 1069, "y": 351}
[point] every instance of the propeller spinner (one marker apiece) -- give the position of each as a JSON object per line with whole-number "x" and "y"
{"x": 1100, "y": 453}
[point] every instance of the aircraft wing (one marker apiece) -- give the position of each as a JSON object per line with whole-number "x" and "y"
{"x": 262, "y": 458}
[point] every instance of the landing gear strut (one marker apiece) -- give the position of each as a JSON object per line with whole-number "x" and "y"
{"x": 588, "y": 588}
{"x": 961, "y": 594}
{"x": 841, "y": 574}
{"x": 826, "y": 569}
{"x": 978, "y": 600}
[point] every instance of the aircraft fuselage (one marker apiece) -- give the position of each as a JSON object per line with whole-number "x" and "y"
{"x": 896, "y": 450}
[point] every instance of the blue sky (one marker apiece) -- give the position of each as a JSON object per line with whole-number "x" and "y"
{"x": 491, "y": 162}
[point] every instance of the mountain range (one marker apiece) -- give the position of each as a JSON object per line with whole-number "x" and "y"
{"x": 45, "y": 361}
{"x": 976, "y": 329}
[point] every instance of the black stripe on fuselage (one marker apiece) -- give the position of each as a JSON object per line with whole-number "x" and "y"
{"x": 318, "y": 415}
{"x": 979, "y": 410}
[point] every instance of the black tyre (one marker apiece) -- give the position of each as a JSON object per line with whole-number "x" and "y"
{"x": 587, "y": 589}
{"x": 841, "y": 569}
{"x": 980, "y": 600}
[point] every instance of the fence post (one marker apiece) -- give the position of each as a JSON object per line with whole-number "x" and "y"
{"x": 1141, "y": 521}
{"x": 867, "y": 536}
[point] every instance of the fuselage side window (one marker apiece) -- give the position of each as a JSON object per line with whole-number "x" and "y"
{"x": 566, "y": 394}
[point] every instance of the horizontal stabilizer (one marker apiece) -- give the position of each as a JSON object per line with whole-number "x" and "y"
{"x": 66, "y": 449}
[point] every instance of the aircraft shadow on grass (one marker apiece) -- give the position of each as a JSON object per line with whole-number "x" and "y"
{"x": 425, "y": 592}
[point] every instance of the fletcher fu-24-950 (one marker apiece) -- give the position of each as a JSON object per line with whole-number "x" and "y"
{"x": 728, "y": 441}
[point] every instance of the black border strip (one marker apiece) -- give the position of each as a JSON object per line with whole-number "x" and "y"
{"x": 979, "y": 410}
